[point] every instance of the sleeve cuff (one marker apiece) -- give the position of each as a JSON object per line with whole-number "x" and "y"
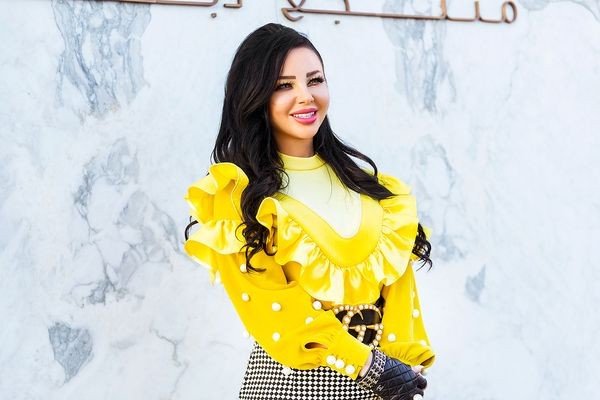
{"x": 347, "y": 355}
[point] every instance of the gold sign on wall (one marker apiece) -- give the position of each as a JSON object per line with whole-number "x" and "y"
{"x": 297, "y": 7}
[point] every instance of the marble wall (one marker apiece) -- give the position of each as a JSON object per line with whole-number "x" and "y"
{"x": 108, "y": 111}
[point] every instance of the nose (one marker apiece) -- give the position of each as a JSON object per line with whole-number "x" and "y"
{"x": 304, "y": 95}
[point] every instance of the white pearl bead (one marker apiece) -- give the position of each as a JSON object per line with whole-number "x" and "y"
{"x": 417, "y": 397}
{"x": 308, "y": 320}
{"x": 339, "y": 364}
{"x": 317, "y": 305}
{"x": 331, "y": 359}
{"x": 391, "y": 337}
{"x": 286, "y": 371}
{"x": 416, "y": 313}
{"x": 276, "y": 306}
{"x": 276, "y": 336}
{"x": 245, "y": 297}
{"x": 243, "y": 268}
{"x": 350, "y": 369}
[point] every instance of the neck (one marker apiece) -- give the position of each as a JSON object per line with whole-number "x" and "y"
{"x": 295, "y": 163}
{"x": 297, "y": 148}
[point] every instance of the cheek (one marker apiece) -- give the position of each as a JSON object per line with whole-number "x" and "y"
{"x": 280, "y": 103}
{"x": 278, "y": 110}
{"x": 322, "y": 96}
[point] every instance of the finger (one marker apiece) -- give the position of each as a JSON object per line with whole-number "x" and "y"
{"x": 421, "y": 382}
{"x": 417, "y": 369}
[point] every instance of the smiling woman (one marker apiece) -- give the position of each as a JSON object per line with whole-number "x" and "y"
{"x": 315, "y": 252}
{"x": 300, "y": 102}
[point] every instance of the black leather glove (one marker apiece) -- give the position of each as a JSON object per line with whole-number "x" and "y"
{"x": 391, "y": 379}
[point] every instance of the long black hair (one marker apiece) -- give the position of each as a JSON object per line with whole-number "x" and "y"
{"x": 246, "y": 139}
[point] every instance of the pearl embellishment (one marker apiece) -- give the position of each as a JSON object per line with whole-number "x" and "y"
{"x": 350, "y": 311}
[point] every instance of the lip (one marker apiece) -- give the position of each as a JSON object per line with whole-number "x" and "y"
{"x": 306, "y": 121}
{"x": 304, "y": 111}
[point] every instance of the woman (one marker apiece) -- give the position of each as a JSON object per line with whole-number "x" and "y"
{"x": 314, "y": 251}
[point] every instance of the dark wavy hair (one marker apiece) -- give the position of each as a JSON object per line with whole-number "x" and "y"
{"x": 246, "y": 139}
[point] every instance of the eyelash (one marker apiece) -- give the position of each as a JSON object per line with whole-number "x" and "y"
{"x": 319, "y": 79}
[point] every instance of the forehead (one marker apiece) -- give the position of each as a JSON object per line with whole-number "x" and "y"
{"x": 301, "y": 59}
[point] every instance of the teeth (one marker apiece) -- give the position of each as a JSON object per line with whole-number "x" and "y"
{"x": 308, "y": 115}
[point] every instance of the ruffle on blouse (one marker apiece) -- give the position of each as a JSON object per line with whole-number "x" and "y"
{"x": 323, "y": 279}
{"x": 214, "y": 202}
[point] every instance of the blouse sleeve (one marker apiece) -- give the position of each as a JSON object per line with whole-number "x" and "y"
{"x": 405, "y": 337}
{"x": 404, "y": 334}
{"x": 282, "y": 317}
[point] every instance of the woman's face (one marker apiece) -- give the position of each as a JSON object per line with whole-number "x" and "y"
{"x": 300, "y": 102}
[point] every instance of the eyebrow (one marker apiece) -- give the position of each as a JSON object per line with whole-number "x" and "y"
{"x": 294, "y": 76}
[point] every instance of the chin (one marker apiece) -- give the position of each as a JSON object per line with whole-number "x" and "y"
{"x": 305, "y": 135}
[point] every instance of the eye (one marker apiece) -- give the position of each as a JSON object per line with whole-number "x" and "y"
{"x": 282, "y": 85}
{"x": 318, "y": 79}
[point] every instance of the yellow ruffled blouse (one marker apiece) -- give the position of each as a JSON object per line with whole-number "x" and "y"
{"x": 313, "y": 271}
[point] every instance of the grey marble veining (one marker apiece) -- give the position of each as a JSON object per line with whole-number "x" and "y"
{"x": 431, "y": 160}
{"x": 593, "y": 6}
{"x": 117, "y": 168}
{"x": 474, "y": 285}
{"x": 72, "y": 347}
{"x": 421, "y": 71}
{"x": 175, "y": 360}
{"x": 144, "y": 231}
{"x": 7, "y": 186}
{"x": 102, "y": 58}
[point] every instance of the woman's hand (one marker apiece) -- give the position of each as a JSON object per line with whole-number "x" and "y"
{"x": 392, "y": 379}
{"x": 419, "y": 369}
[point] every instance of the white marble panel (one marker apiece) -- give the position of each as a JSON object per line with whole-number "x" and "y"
{"x": 108, "y": 111}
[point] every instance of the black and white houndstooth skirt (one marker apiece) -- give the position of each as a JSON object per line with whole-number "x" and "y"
{"x": 266, "y": 379}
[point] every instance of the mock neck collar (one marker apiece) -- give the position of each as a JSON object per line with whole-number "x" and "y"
{"x": 301, "y": 163}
